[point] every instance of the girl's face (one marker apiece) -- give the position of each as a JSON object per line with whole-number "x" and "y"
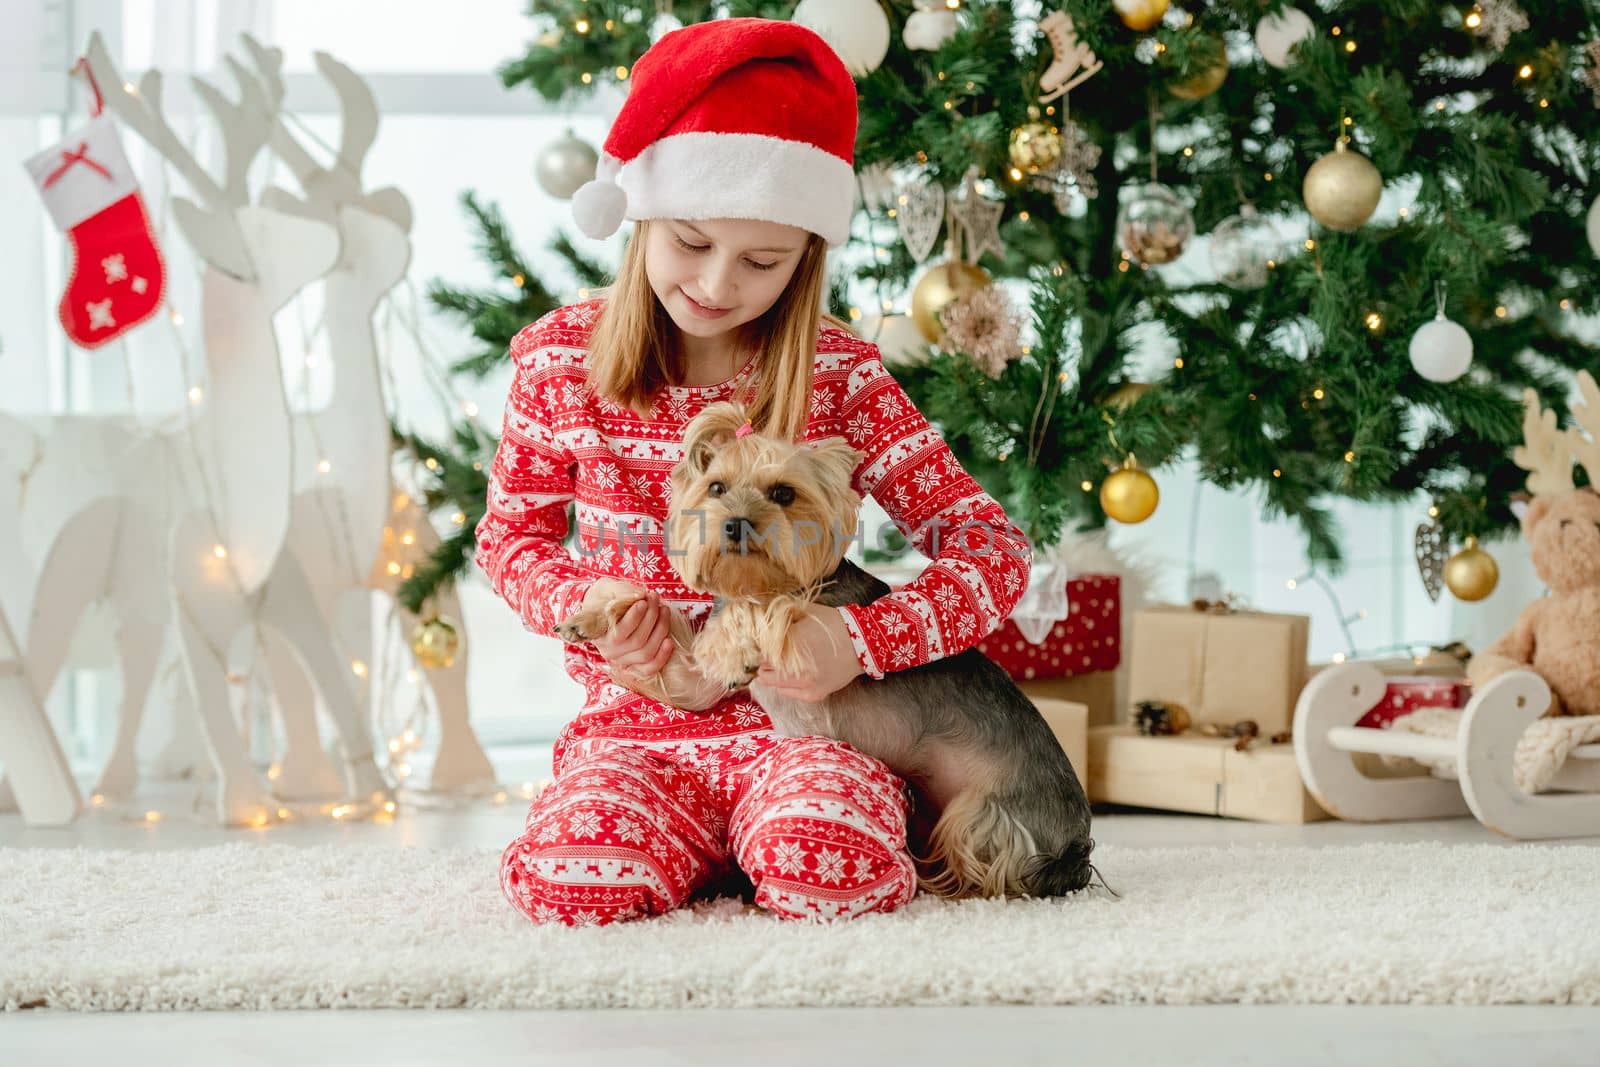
{"x": 713, "y": 275}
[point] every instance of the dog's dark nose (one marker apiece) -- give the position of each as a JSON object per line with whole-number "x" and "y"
{"x": 735, "y": 530}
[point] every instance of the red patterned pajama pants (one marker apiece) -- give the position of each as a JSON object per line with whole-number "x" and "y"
{"x": 651, "y": 804}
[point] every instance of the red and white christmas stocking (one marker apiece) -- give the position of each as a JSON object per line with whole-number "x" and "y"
{"x": 117, "y": 276}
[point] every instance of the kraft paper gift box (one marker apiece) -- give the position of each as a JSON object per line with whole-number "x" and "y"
{"x": 1069, "y": 721}
{"x": 1097, "y": 690}
{"x": 1221, "y": 667}
{"x": 1192, "y": 773}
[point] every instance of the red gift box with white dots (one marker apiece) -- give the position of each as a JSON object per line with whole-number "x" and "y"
{"x": 1089, "y": 639}
{"x": 1403, "y": 695}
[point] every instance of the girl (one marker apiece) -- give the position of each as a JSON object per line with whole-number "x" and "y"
{"x": 734, "y": 156}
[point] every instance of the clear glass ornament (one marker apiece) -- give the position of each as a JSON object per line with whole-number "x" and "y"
{"x": 1245, "y": 248}
{"x": 1153, "y": 224}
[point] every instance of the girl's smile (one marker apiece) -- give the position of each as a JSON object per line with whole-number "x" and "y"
{"x": 700, "y": 309}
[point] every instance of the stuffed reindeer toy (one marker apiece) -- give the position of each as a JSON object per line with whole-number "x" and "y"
{"x": 763, "y": 524}
{"x": 1558, "y": 636}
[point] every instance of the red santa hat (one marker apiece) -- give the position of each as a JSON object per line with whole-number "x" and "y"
{"x": 741, "y": 118}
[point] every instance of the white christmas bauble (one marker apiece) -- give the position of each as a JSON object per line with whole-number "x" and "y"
{"x": 927, "y": 29}
{"x": 856, "y": 29}
{"x": 664, "y": 23}
{"x": 1594, "y": 226}
{"x": 565, "y": 165}
{"x": 1441, "y": 351}
{"x": 1276, "y": 34}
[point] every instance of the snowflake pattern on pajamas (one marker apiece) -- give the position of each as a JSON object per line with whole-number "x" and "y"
{"x": 816, "y": 827}
{"x": 650, "y": 803}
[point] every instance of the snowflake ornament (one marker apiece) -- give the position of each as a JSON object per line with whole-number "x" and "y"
{"x": 1073, "y": 170}
{"x": 1497, "y": 21}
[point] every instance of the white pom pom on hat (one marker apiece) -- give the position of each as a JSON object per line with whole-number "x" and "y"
{"x": 599, "y": 206}
{"x": 741, "y": 118}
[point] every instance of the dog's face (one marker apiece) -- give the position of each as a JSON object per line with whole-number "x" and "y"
{"x": 756, "y": 516}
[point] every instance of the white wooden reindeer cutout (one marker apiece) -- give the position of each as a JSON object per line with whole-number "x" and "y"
{"x": 341, "y": 514}
{"x": 201, "y": 516}
{"x": 165, "y": 514}
{"x": 215, "y": 597}
{"x": 39, "y": 781}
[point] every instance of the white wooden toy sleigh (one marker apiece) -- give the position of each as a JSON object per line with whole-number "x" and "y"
{"x": 1483, "y": 751}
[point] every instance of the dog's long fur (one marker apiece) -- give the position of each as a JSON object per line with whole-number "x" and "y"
{"x": 994, "y": 799}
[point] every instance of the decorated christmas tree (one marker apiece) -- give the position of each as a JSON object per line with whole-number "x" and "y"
{"x": 1317, "y": 252}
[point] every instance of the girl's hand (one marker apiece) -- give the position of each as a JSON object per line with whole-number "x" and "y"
{"x": 824, "y": 635}
{"x": 641, "y": 642}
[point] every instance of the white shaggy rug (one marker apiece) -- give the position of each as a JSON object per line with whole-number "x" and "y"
{"x": 249, "y": 925}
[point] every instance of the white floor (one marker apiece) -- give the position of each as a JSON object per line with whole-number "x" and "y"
{"x": 1223, "y": 1034}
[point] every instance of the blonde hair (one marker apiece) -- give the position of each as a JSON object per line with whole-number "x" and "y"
{"x": 634, "y": 350}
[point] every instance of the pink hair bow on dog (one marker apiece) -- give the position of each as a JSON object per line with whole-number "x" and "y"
{"x": 745, "y": 429}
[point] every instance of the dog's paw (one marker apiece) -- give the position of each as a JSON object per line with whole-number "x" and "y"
{"x": 741, "y": 678}
{"x": 583, "y": 626}
{"x": 731, "y": 676}
{"x": 723, "y": 662}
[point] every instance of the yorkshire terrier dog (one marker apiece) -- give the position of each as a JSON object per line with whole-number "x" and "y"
{"x": 763, "y": 524}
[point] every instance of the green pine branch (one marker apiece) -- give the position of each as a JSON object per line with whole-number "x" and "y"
{"x": 1300, "y": 392}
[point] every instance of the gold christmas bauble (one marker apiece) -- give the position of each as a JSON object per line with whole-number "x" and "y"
{"x": 1035, "y": 146}
{"x": 1341, "y": 189}
{"x": 1471, "y": 573}
{"x": 1130, "y": 495}
{"x": 436, "y": 641}
{"x": 1210, "y": 79}
{"x": 1140, "y": 15}
{"x": 942, "y": 283}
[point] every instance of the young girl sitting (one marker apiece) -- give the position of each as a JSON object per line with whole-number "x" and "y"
{"x": 733, "y": 154}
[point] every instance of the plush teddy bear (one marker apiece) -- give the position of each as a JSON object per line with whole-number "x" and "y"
{"x": 1558, "y": 636}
